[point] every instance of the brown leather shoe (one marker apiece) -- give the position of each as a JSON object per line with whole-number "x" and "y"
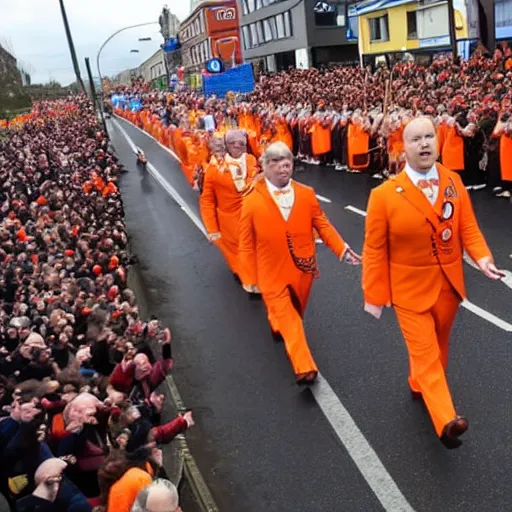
{"x": 452, "y": 431}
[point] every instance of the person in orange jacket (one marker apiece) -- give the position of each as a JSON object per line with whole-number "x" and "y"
{"x": 417, "y": 227}
{"x": 278, "y": 251}
{"x": 226, "y": 180}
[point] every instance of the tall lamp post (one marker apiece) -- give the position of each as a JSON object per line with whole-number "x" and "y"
{"x": 108, "y": 40}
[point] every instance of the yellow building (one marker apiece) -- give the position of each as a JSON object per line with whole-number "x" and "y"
{"x": 395, "y": 26}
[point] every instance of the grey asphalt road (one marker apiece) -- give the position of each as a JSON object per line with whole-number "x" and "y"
{"x": 261, "y": 442}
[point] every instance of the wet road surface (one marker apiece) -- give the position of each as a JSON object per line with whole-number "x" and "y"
{"x": 261, "y": 442}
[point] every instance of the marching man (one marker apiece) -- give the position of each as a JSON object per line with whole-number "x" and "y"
{"x": 417, "y": 227}
{"x": 226, "y": 180}
{"x": 278, "y": 251}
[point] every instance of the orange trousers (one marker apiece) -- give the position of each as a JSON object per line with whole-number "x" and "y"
{"x": 427, "y": 336}
{"x": 229, "y": 250}
{"x": 285, "y": 312}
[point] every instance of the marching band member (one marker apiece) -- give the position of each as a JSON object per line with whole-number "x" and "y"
{"x": 226, "y": 180}
{"x": 278, "y": 251}
{"x": 417, "y": 227}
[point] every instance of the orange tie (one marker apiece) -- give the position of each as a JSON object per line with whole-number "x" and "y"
{"x": 278, "y": 193}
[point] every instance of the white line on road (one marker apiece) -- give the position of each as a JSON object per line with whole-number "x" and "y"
{"x": 482, "y": 313}
{"x": 355, "y": 210}
{"x": 165, "y": 184}
{"x": 359, "y": 449}
{"x": 364, "y": 456}
{"x": 323, "y": 199}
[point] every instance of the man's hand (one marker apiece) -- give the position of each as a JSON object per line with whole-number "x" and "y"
{"x": 188, "y": 418}
{"x": 375, "y": 311}
{"x": 351, "y": 257}
{"x": 214, "y": 237}
{"x": 251, "y": 288}
{"x": 489, "y": 269}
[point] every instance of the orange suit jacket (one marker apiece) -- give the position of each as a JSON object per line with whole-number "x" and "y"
{"x": 410, "y": 245}
{"x": 220, "y": 202}
{"x": 264, "y": 250}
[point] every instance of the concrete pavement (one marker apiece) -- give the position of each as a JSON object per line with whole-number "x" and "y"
{"x": 263, "y": 443}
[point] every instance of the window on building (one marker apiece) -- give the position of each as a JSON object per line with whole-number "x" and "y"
{"x": 259, "y": 4}
{"x": 503, "y": 13}
{"x": 251, "y": 5}
{"x": 261, "y": 35}
{"x": 379, "y": 28}
{"x": 412, "y": 25}
{"x": 280, "y": 26}
{"x": 267, "y": 30}
{"x": 201, "y": 18}
{"x": 246, "y": 37}
{"x": 245, "y": 7}
{"x": 254, "y": 35}
{"x": 273, "y": 26}
{"x": 287, "y": 24}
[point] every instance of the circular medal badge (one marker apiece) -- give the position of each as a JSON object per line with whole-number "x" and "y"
{"x": 447, "y": 210}
{"x": 446, "y": 234}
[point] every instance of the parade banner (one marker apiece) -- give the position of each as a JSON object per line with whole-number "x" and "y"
{"x": 239, "y": 79}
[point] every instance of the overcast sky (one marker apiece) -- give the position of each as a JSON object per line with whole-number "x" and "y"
{"x": 34, "y": 32}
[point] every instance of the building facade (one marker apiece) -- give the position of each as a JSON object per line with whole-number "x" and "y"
{"x": 153, "y": 70}
{"x": 277, "y": 34}
{"x": 211, "y": 30}
{"x": 388, "y": 27}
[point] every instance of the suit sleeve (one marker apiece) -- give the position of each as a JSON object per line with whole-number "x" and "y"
{"x": 472, "y": 238}
{"x": 247, "y": 244}
{"x": 376, "y": 282}
{"x": 208, "y": 203}
{"x": 326, "y": 230}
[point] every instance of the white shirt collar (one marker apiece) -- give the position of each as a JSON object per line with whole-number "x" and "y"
{"x": 415, "y": 176}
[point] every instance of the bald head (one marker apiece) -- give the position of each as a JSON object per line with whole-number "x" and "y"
{"x": 162, "y": 497}
{"x": 420, "y": 142}
{"x": 418, "y": 123}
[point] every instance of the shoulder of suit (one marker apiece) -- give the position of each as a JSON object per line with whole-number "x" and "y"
{"x": 441, "y": 169}
{"x": 303, "y": 187}
{"x": 251, "y": 159}
{"x": 390, "y": 184}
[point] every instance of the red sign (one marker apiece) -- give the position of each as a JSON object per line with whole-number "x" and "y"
{"x": 221, "y": 18}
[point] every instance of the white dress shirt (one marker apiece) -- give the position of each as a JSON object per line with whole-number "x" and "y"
{"x": 238, "y": 169}
{"x": 432, "y": 190}
{"x": 283, "y": 197}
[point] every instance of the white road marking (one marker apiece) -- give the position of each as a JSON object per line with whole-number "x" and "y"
{"x": 165, "y": 184}
{"x": 360, "y": 450}
{"x": 169, "y": 150}
{"x": 482, "y": 313}
{"x": 323, "y": 199}
{"x": 364, "y": 456}
{"x": 355, "y": 210}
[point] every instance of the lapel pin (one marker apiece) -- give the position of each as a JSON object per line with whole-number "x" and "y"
{"x": 399, "y": 190}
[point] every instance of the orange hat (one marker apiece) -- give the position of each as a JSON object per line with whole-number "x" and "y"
{"x": 41, "y": 201}
{"x": 86, "y": 311}
{"x": 22, "y": 236}
{"x": 112, "y": 292}
{"x": 97, "y": 270}
{"x": 69, "y": 252}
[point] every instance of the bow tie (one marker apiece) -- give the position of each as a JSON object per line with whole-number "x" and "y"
{"x": 278, "y": 193}
{"x": 428, "y": 183}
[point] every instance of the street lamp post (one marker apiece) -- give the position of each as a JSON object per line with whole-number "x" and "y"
{"x": 105, "y": 43}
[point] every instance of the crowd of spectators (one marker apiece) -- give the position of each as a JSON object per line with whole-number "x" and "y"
{"x": 81, "y": 424}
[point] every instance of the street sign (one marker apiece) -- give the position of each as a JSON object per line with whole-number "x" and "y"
{"x": 215, "y": 66}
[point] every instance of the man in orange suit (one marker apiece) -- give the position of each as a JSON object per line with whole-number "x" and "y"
{"x": 278, "y": 251}
{"x": 417, "y": 227}
{"x": 226, "y": 180}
